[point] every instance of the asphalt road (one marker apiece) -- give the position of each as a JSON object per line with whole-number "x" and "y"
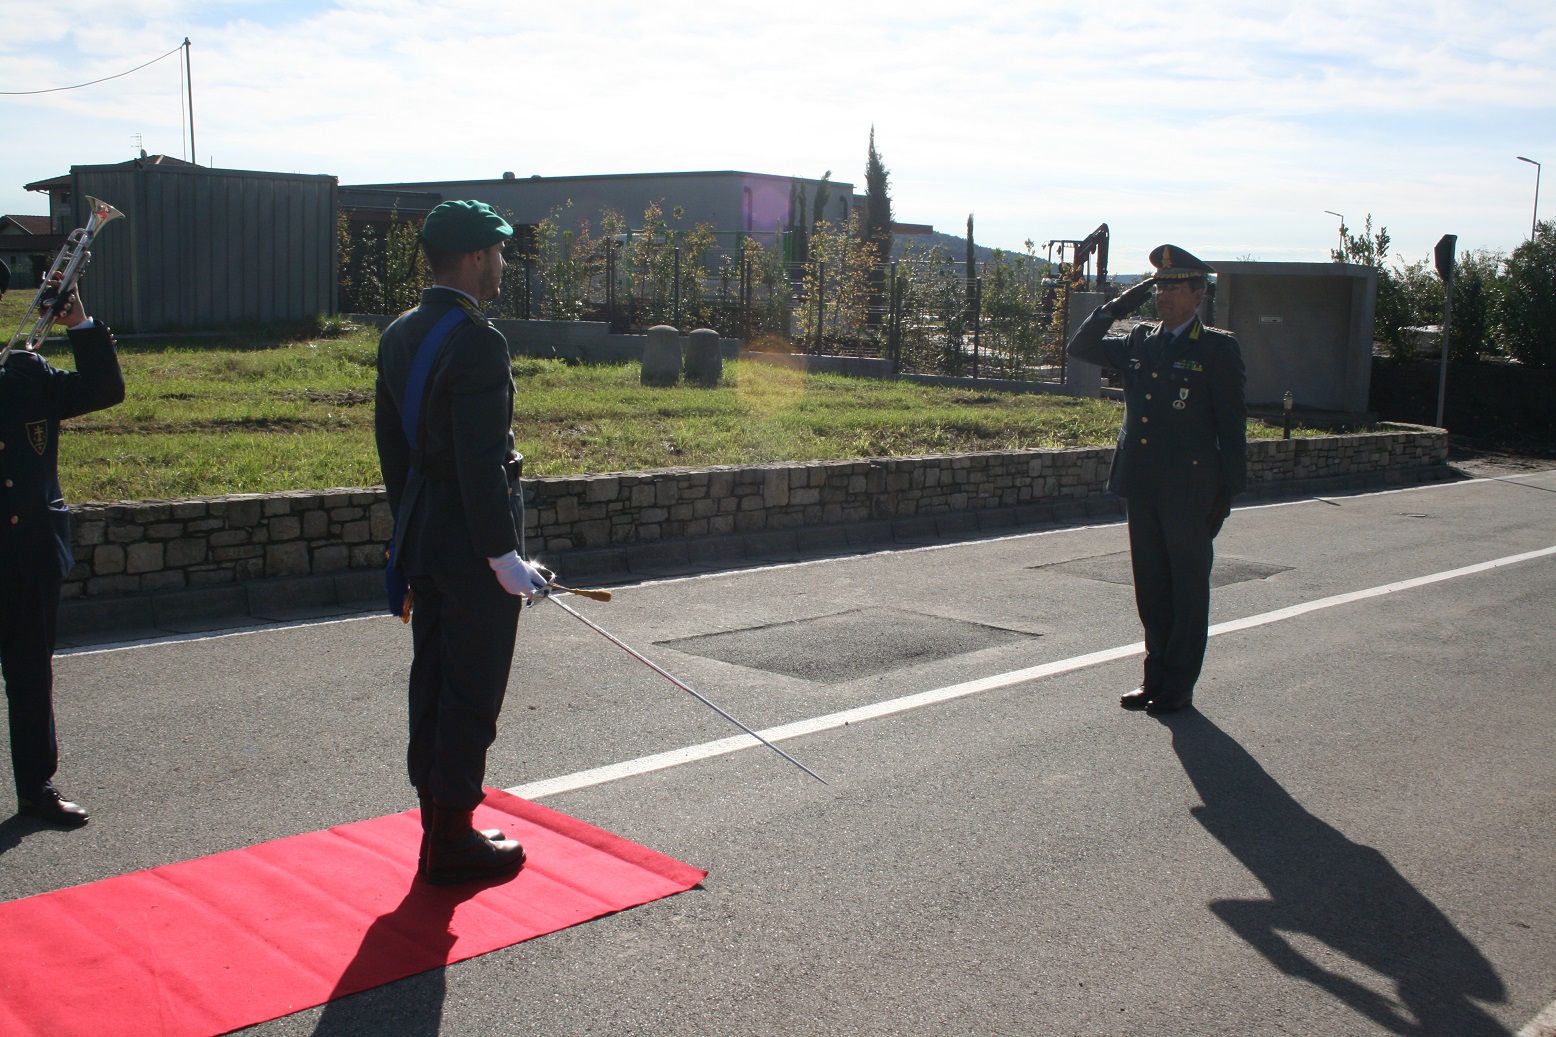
{"x": 1353, "y": 834}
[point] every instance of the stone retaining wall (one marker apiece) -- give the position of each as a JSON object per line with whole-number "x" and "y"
{"x": 139, "y": 548}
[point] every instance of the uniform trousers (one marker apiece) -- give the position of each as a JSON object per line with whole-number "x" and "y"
{"x": 1171, "y": 552}
{"x": 463, "y": 628}
{"x": 28, "y": 618}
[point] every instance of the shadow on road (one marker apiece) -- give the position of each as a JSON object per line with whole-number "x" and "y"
{"x": 1342, "y": 894}
{"x": 417, "y": 928}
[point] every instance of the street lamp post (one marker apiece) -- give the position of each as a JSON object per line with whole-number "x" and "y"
{"x": 1534, "y": 224}
{"x": 1342, "y": 229}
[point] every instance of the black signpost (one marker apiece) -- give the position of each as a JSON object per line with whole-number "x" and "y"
{"x": 1444, "y": 258}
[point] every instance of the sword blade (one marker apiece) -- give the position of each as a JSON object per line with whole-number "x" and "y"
{"x": 667, "y": 675}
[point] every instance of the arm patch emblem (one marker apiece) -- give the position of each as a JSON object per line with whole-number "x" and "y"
{"x": 38, "y": 435}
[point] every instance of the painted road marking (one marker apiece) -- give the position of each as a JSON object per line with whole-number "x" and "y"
{"x": 708, "y": 750}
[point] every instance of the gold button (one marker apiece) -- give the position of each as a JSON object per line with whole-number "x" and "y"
{"x": 1148, "y": 396}
{"x": 1143, "y": 420}
{"x": 1143, "y": 441}
{"x": 1155, "y": 375}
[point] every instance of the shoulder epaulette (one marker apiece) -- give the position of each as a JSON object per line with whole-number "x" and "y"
{"x": 473, "y": 311}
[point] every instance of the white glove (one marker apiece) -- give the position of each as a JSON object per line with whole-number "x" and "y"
{"x": 517, "y": 576}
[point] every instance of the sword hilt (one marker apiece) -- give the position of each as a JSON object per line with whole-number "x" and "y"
{"x": 592, "y": 595}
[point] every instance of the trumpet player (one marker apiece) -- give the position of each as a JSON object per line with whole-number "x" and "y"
{"x": 35, "y": 549}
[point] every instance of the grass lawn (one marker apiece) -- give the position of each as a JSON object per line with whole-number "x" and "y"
{"x": 263, "y": 411}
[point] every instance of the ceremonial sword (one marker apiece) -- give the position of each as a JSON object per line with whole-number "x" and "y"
{"x": 667, "y": 675}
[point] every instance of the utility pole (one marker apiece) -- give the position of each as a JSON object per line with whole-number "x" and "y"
{"x": 189, "y": 84}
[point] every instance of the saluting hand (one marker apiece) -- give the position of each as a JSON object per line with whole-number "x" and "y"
{"x": 1131, "y": 300}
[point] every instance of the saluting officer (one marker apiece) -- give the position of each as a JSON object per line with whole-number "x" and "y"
{"x": 448, "y": 479}
{"x": 35, "y": 552}
{"x": 1181, "y": 458}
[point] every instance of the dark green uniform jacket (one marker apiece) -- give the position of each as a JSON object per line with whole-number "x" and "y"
{"x": 453, "y": 509}
{"x": 1185, "y": 422}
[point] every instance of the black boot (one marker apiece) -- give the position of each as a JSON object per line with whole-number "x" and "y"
{"x": 424, "y": 797}
{"x": 456, "y": 852}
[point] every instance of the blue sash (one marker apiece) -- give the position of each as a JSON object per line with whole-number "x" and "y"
{"x": 397, "y": 588}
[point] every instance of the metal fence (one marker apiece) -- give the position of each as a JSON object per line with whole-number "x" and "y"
{"x": 821, "y": 294}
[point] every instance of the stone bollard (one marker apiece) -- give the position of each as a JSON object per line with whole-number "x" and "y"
{"x": 662, "y": 356}
{"x": 704, "y": 363}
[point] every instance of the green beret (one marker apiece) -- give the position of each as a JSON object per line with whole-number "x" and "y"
{"x": 464, "y": 226}
{"x": 1174, "y": 264}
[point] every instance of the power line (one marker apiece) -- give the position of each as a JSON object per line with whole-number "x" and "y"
{"x": 78, "y": 86}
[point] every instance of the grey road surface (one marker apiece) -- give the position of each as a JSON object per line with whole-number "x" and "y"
{"x": 1354, "y": 833}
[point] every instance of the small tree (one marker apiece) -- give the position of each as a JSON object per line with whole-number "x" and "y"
{"x": 771, "y": 296}
{"x": 934, "y": 303}
{"x": 1016, "y": 321}
{"x": 568, "y": 263}
{"x": 1476, "y": 286}
{"x": 1398, "y": 293}
{"x": 836, "y": 297}
{"x": 381, "y": 271}
{"x": 1526, "y": 310}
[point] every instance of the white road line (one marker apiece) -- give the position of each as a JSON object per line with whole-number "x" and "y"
{"x": 708, "y": 750}
{"x": 211, "y": 635}
{"x": 1542, "y": 1025}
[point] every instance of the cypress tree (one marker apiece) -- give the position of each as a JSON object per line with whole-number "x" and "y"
{"x": 877, "y": 203}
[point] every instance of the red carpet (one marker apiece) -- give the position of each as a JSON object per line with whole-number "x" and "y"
{"x": 227, "y": 941}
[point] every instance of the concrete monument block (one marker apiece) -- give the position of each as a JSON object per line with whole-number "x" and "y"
{"x": 704, "y": 362}
{"x": 662, "y": 356}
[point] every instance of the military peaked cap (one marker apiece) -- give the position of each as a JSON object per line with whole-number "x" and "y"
{"x": 464, "y": 226}
{"x": 1174, "y": 264}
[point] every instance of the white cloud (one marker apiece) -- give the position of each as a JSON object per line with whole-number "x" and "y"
{"x": 1234, "y": 125}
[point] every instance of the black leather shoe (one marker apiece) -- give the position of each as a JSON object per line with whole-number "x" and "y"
{"x": 1169, "y": 704}
{"x": 1137, "y": 699}
{"x": 48, "y": 805}
{"x": 455, "y": 852}
{"x": 493, "y": 835}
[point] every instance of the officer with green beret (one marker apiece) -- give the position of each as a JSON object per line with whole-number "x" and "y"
{"x": 444, "y": 428}
{"x": 1182, "y": 456}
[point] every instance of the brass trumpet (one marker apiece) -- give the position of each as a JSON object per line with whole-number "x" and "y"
{"x": 69, "y": 264}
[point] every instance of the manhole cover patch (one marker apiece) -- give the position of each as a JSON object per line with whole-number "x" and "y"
{"x": 1114, "y": 568}
{"x": 847, "y": 645}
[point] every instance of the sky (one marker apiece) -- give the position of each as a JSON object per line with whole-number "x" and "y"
{"x": 1226, "y": 128}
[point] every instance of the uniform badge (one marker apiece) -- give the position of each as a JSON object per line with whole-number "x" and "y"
{"x": 38, "y": 435}
{"x": 1182, "y": 401}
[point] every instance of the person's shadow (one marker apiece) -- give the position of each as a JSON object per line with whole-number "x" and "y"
{"x": 13, "y": 828}
{"x": 1340, "y": 893}
{"x": 417, "y": 931}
